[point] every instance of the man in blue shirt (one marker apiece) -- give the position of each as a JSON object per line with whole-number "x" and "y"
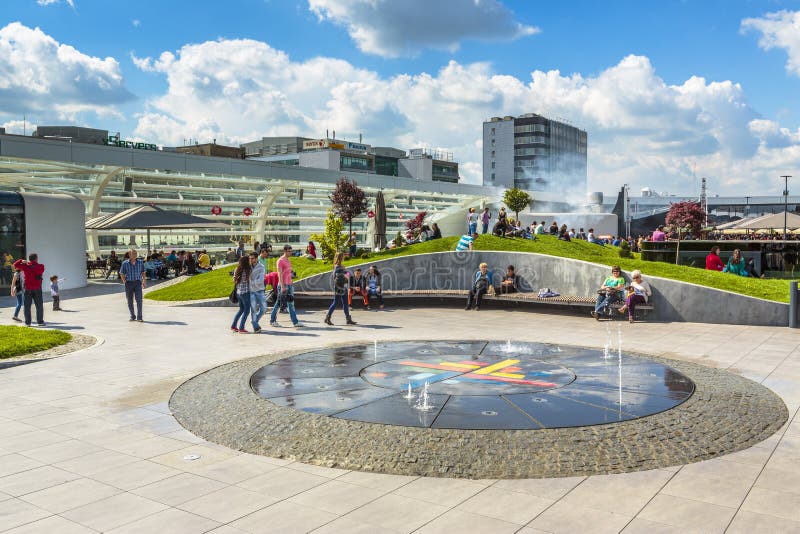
{"x": 133, "y": 276}
{"x": 466, "y": 242}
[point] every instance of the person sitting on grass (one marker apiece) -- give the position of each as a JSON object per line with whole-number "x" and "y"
{"x": 466, "y": 242}
{"x": 480, "y": 286}
{"x": 609, "y": 291}
{"x": 736, "y": 264}
{"x": 713, "y": 261}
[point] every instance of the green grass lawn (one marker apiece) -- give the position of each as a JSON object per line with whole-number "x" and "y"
{"x": 19, "y": 340}
{"x": 218, "y": 283}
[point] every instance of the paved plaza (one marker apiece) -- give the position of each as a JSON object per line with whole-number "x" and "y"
{"x": 88, "y": 443}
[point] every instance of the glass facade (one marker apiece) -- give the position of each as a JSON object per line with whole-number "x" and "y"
{"x": 12, "y": 235}
{"x": 281, "y": 210}
{"x": 386, "y": 166}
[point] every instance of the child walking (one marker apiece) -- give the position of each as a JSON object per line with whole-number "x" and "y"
{"x": 54, "y": 280}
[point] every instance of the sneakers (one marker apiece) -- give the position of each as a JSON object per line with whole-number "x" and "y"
{"x": 140, "y": 320}
{"x": 132, "y": 319}
{"x": 595, "y": 315}
{"x": 298, "y": 325}
{"x": 40, "y": 324}
{"x": 477, "y": 308}
{"x": 256, "y": 330}
{"x": 17, "y": 319}
{"x": 468, "y": 307}
{"x": 242, "y": 331}
{"x": 275, "y": 324}
{"x": 233, "y": 328}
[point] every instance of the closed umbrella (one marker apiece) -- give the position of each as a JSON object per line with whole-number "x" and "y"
{"x": 380, "y": 221}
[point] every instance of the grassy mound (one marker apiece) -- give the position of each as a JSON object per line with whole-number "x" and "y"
{"x": 218, "y": 283}
{"x": 19, "y": 340}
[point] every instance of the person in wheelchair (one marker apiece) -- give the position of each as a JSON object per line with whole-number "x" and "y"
{"x": 609, "y": 292}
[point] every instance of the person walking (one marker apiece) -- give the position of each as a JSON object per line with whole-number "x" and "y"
{"x": 17, "y": 292}
{"x": 286, "y": 291}
{"x": 472, "y": 222}
{"x": 32, "y": 282}
{"x": 258, "y": 300}
{"x": 241, "y": 282}
{"x": 340, "y": 288}
{"x": 135, "y": 280}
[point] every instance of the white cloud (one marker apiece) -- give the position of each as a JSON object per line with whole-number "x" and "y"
{"x": 393, "y": 28}
{"x": 71, "y": 3}
{"x": 39, "y": 75}
{"x": 136, "y": 23}
{"x": 642, "y": 130}
{"x": 779, "y": 30}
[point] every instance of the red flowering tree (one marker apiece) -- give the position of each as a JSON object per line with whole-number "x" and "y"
{"x": 685, "y": 216}
{"x": 349, "y": 201}
{"x": 416, "y": 222}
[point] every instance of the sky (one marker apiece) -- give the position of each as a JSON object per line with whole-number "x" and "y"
{"x": 669, "y": 91}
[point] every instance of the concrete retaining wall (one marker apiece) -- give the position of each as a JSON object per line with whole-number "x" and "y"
{"x": 672, "y": 300}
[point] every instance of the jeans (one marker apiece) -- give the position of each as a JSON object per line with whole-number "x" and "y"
{"x": 281, "y": 299}
{"x": 604, "y": 300}
{"x": 244, "y": 311}
{"x": 19, "y": 304}
{"x": 374, "y": 293}
{"x": 33, "y": 296}
{"x": 476, "y": 295}
{"x": 472, "y": 228}
{"x": 258, "y": 307}
{"x": 133, "y": 290}
{"x": 339, "y": 300}
{"x": 485, "y": 227}
{"x": 56, "y": 303}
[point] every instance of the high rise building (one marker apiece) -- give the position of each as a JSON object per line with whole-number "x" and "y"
{"x": 534, "y": 153}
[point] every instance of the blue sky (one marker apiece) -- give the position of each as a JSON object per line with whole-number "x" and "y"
{"x": 663, "y": 88}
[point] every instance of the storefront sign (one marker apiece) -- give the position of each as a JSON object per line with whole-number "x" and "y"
{"x": 357, "y": 146}
{"x": 315, "y": 143}
{"x": 113, "y": 141}
{"x": 247, "y": 211}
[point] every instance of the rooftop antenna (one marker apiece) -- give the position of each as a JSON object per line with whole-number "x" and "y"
{"x": 24, "y": 124}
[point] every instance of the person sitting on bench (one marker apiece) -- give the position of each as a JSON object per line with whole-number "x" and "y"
{"x": 609, "y": 292}
{"x": 480, "y": 286}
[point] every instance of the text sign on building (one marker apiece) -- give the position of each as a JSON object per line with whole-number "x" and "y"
{"x": 113, "y": 141}
{"x": 357, "y": 146}
{"x": 315, "y": 143}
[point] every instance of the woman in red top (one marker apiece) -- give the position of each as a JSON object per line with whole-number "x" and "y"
{"x": 713, "y": 261}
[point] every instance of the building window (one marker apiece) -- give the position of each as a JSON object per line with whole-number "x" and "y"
{"x": 492, "y": 131}
{"x": 358, "y": 164}
{"x": 493, "y": 164}
{"x": 493, "y": 177}
{"x": 493, "y": 142}
{"x": 492, "y": 153}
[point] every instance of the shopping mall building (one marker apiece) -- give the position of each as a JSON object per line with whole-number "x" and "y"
{"x": 260, "y": 200}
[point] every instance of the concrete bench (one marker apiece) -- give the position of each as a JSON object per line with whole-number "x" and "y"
{"x": 461, "y": 294}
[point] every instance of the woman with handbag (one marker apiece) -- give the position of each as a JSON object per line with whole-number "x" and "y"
{"x": 241, "y": 294}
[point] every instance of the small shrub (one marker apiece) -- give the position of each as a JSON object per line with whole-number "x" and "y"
{"x": 625, "y": 249}
{"x": 364, "y": 255}
{"x": 333, "y": 239}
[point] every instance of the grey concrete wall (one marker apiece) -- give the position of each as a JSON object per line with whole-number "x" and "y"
{"x": 54, "y": 230}
{"x": 672, "y": 300}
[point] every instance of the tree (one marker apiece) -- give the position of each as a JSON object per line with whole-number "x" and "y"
{"x": 348, "y": 201}
{"x": 333, "y": 238}
{"x": 683, "y": 216}
{"x": 516, "y": 200}
{"x": 416, "y": 222}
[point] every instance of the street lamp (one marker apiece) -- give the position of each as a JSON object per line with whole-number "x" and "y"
{"x": 785, "y": 202}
